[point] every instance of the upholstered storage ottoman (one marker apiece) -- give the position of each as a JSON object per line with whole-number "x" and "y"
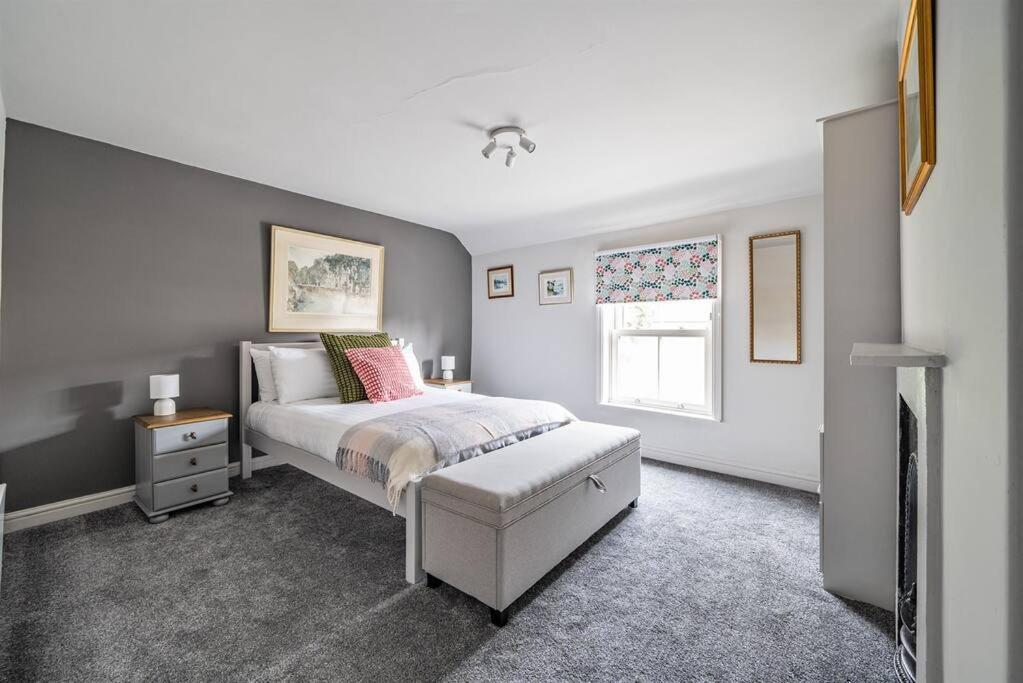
{"x": 494, "y": 525}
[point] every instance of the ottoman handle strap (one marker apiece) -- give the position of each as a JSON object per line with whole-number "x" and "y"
{"x": 598, "y": 483}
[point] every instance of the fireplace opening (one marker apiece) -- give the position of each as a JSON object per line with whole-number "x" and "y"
{"x": 905, "y": 615}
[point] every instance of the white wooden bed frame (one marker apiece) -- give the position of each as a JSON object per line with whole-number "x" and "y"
{"x": 409, "y": 507}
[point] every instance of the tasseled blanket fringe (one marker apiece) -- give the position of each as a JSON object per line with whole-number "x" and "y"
{"x": 361, "y": 465}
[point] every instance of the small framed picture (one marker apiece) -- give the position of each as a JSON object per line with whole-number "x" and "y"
{"x": 500, "y": 282}
{"x": 556, "y": 287}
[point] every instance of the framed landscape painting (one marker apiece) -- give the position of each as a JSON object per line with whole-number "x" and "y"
{"x": 556, "y": 287}
{"x": 323, "y": 283}
{"x": 500, "y": 282}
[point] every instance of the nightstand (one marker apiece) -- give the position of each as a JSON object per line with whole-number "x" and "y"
{"x": 180, "y": 460}
{"x": 452, "y": 384}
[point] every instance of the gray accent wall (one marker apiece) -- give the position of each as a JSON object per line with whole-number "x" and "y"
{"x": 117, "y": 265}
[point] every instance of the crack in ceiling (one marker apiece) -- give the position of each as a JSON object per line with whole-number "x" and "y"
{"x": 484, "y": 72}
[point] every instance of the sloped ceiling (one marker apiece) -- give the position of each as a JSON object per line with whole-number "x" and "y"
{"x": 642, "y": 111}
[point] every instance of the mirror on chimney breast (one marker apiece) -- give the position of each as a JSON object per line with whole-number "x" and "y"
{"x": 774, "y": 298}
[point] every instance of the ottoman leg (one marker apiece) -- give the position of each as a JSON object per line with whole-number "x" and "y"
{"x": 634, "y": 504}
{"x": 498, "y": 617}
{"x": 432, "y": 581}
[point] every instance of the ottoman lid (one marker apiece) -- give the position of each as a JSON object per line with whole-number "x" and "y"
{"x": 503, "y": 485}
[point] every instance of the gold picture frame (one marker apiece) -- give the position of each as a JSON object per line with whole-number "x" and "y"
{"x": 797, "y": 322}
{"x": 322, "y": 283}
{"x": 917, "y": 136}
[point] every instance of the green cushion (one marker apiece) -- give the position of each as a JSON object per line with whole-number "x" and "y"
{"x": 349, "y": 388}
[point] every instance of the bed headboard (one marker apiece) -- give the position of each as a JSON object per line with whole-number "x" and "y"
{"x": 245, "y": 382}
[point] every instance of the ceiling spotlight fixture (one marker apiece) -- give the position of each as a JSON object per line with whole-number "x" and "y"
{"x": 508, "y": 137}
{"x": 489, "y": 149}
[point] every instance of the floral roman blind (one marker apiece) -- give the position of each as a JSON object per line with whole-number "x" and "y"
{"x": 658, "y": 272}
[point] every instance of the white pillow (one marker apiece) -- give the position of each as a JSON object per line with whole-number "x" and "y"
{"x": 413, "y": 366}
{"x": 301, "y": 374}
{"x": 264, "y": 376}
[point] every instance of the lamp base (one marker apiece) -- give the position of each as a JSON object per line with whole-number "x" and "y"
{"x": 164, "y": 406}
{"x": 448, "y": 375}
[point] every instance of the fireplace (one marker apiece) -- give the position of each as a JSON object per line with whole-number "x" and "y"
{"x": 917, "y": 460}
{"x": 905, "y": 589}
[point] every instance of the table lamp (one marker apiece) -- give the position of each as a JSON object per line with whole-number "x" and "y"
{"x": 164, "y": 388}
{"x": 447, "y": 364}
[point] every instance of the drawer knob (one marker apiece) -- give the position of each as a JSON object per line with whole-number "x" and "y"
{"x": 598, "y": 483}
{"x": 193, "y": 461}
{"x": 194, "y": 488}
{"x": 190, "y": 435}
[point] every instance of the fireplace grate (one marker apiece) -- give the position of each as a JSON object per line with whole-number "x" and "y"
{"x": 905, "y": 620}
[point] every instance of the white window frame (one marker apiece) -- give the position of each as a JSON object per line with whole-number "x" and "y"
{"x": 610, "y": 333}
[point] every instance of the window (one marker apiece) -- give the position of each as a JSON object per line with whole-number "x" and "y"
{"x": 662, "y": 355}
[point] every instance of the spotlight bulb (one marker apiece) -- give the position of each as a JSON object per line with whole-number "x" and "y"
{"x": 526, "y": 144}
{"x": 509, "y": 160}
{"x": 489, "y": 149}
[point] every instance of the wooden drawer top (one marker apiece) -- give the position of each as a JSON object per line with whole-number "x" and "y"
{"x": 446, "y": 382}
{"x": 182, "y": 417}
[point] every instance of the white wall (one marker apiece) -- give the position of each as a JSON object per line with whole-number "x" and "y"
{"x": 955, "y": 299}
{"x": 771, "y": 413}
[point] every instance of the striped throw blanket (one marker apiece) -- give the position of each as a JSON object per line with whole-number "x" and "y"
{"x": 395, "y": 449}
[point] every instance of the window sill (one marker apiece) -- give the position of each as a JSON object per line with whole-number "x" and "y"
{"x": 663, "y": 411}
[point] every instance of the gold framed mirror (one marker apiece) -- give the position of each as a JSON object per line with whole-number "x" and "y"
{"x": 775, "y": 298}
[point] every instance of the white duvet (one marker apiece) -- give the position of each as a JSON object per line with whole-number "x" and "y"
{"x": 318, "y": 424}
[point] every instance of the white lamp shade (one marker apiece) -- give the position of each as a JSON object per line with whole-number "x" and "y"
{"x": 447, "y": 362}
{"x": 163, "y": 386}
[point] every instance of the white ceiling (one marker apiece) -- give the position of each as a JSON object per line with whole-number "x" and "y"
{"x": 641, "y": 111}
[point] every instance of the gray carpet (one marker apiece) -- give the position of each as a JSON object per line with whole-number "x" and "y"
{"x": 711, "y": 579}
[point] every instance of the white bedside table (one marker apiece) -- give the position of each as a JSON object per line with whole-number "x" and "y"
{"x": 451, "y": 384}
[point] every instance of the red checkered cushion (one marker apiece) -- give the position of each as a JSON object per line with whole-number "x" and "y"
{"x": 383, "y": 372}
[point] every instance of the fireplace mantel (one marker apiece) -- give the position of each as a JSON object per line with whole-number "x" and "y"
{"x": 894, "y": 356}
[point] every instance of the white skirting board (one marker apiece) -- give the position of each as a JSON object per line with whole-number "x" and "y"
{"x": 63, "y": 509}
{"x": 702, "y": 462}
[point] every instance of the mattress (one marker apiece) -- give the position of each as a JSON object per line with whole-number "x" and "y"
{"x": 318, "y": 424}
